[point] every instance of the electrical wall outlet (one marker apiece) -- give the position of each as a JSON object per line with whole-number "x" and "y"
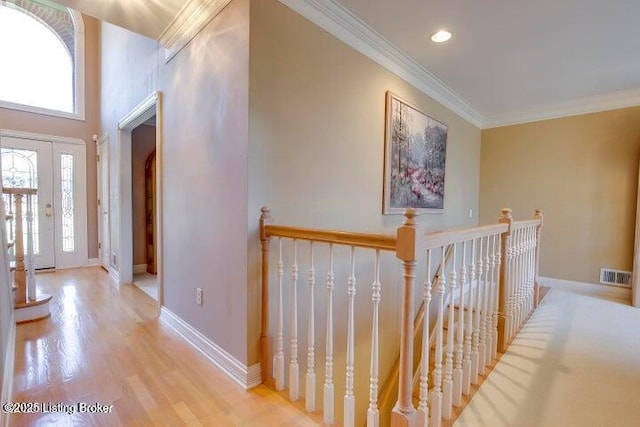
{"x": 199, "y": 296}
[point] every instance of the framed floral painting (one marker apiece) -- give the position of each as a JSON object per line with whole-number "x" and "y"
{"x": 414, "y": 159}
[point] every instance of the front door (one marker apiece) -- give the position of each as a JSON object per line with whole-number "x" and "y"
{"x": 58, "y": 171}
{"x": 27, "y": 164}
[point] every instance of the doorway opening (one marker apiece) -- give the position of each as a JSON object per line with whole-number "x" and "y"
{"x": 143, "y": 196}
{"x": 124, "y": 259}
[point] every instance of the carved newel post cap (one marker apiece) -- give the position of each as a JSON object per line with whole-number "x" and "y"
{"x": 266, "y": 213}
{"x": 538, "y": 215}
{"x": 506, "y": 212}
{"x": 410, "y": 215}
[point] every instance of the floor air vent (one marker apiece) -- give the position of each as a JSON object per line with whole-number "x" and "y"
{"x": 615, "y": 277}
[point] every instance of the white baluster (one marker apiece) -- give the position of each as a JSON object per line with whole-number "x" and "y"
{"x": 423, "y": 406}
{"x": 436, "y": 399}
{"x": 480, "y": 306}
{"x": 495, "y": 268}
{"x": 294, "y": 369}
{"x": 310, "y": 383}
{"x": 486, "y": 315}
{"x": 520, "y": 277}
{"x": 373, "y": 415}
{"x": 510, "y": 288}
{"x": 31, "y": 281}
{"x": 474, "y": 316}
{"x": 457, "y": 372}
{"x": 526, "y": 261}
{"x": 278, "y": 359}
{"x": 532, "y": 261}
{"x": 328, "y": 407}
{"x": 447, "y": 399}
{"x": 516, "y": 277}
{"x": 468, "y": 328}
{"x": 349, "y": 397}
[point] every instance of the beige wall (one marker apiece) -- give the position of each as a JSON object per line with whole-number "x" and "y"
{"x": 316, "y": 152}
{"x": 317, "y": 112}
{"x": 583, "y": 172}
{"x": 143, "y": 143}
{"x": 85, "y": 129}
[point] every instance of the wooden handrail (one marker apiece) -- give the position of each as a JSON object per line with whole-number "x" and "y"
{"x": 444, "y": 238}
{"x": 362, "y": 240}
{"x": 492, "y": 260}
{"x": 24, "y": 191}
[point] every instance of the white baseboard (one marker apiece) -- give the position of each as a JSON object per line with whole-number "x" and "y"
{"x": 592, "y": 288}
{"x": 115, "y": 275}
{"x": 93, "y": 262}
{"x": 7, "y": 375}
{"x": 139, "y": 268}
{"x": 247, "y": 377}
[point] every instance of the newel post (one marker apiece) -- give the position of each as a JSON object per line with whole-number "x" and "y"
{"x": 404, "y": 413}
{"x": 536, "y": 285}
{"x": 505, "y": 243}
{"x": 266, "y": 341}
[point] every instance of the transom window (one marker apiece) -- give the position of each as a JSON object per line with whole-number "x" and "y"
{"x": 42, "y": 51}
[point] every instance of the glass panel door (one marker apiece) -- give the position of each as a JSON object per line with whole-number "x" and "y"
{"x": 27, "y": 164}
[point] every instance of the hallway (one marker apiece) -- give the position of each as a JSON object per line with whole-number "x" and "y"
{"x": 104, "y": 345}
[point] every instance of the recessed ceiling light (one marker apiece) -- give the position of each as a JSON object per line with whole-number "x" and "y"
{"x": 441, "y": 36}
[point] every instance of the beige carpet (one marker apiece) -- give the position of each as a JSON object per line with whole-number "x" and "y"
{"x": 575, "y": 363}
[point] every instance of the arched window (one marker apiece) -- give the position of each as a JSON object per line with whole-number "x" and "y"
{"x": 42, "y": 51}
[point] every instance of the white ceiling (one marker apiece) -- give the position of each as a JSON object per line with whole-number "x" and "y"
{"x": 509, "y": 61}
{"x": 516, "y": 58}
{"x": 146, "y": 17}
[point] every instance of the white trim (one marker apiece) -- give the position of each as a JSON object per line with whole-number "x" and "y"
{"x": 115, "y": 275}
{"x": 344, "y": 25}
{"x": 33, "y": 312}
{"x": 139, "y": 268}
{"x": 140, "y": 113}
{"x": 8, "y": 133}
{"x": 103, "y": 186}
{"x": 39, "y": 110}
{"x": 150, "y": 106}
{"x": 79, "y": 63}
{"x": 589, "y": 288}
{"x": 586, "y": 105}
{"x": 7, "y": 375}
{"x": 189, "y": 21}
{"x": 247, "y": 377}
{"x": 93, "y": 262}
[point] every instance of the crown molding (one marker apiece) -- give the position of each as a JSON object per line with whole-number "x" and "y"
{"x": 189, "y": 21}
{"x": 586, "y": 105}
{"x": 347, "y": 27}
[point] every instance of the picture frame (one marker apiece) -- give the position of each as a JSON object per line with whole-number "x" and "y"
{"x": 415, "y": 149}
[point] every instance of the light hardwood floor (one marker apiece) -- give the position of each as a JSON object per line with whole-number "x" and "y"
{"x": 107, "y": 346}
